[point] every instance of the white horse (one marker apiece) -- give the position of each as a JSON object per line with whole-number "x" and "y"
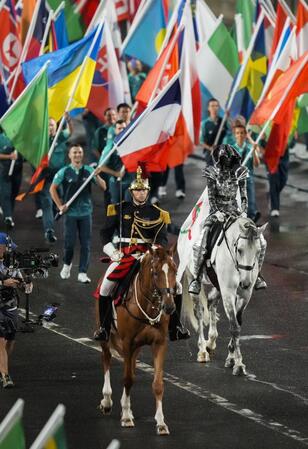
{"x": 235, "y": 262}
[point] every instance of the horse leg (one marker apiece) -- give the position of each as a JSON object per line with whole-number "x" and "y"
{"x": 213, "y": 299}
{"x": 106, "y": 403}
{"x": 203, "y": 355}
{"x": 234, "y": 358}
{"x": 127, "y": 417}
{"x": 159, "y": 352}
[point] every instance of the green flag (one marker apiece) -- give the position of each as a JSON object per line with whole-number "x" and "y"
{"x": 247, "y": 9}
{"x": 26, "y": 122}
{"x": 73, "y": 19}
{"x": 11, "y": 429}
{"x": 52, "y": 436}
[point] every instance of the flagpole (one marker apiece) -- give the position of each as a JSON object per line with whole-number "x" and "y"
{"x": 50, "y": 427}
{"x": 240, "y": 75}
{"x": 171, "y": 24}
{"x": 26, "y": 46}
{"x": 46, "y": 31}
{"x": 70, "y": 100}
{"x": 278, "y": 106}
{"x": 125, "y": 131}
{"x": 8, "y": 422}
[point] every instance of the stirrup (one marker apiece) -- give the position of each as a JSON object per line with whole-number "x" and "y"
{"x": 194, "y": 287}
{"x": 101, "y": 334}
{"x": 179, "y": 333}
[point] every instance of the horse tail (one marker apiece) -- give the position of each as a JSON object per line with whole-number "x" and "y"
{"x": 190, "y": 307}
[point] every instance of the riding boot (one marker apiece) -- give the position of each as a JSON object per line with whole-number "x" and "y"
{"x": 199, "y": 255}
{"x": 105, "y": 316}
{"x": 260, "y": 282}
{"x": 176, "y": 329}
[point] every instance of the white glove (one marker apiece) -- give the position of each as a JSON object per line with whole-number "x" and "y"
{"x": 220, "y": 216}
{"x": 116, "y": 256}
{"x": 28, "y": 288}
{"x": 244, "y": 214}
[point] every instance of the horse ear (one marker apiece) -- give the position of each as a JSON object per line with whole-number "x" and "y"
{"x": 261, "y": 229}
{"x": 172, "y": 250}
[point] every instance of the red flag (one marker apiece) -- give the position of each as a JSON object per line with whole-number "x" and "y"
{"x": 122, "y": 9}
{"x": 10, "y": 45}
{"x": 282, "y": 15}
{"x": 302, "y": 27}
{"x": 37, "y": 181}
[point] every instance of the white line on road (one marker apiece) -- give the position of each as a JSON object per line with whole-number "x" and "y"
{"x": 191, "y": 388}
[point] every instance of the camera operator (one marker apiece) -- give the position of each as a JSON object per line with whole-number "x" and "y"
{"x": 10, "y": 281}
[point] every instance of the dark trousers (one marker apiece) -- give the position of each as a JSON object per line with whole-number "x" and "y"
{"x": 278, "y": 180}
{"x": 155, "y": 182}
{"x": 178, "y": 176}
{"x": 9, "y": 189}
{"x": 82, "y": 225}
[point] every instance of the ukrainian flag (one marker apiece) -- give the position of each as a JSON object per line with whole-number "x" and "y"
{"x": 64, "y": 70}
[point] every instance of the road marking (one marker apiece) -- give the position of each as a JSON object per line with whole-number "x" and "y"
{"x": 191, "y": 388}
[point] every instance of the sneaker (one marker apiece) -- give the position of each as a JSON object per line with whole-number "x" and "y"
{"x": 83, "y": 277}
{"x": 274, "y": 213}
{"x": 260, "y": 283}
{"x": 7, "y": 381}
{"x": 1, "y": 211}
{"x": 180, "y": 194}
{"x": 50, "y": 236}
{"x": 66, "y": 271}
{"x": 9, "y": 222}
{"x": 162, "y": 191}
{"x": 39, "y": 213}
{"x": 154, "y": 200}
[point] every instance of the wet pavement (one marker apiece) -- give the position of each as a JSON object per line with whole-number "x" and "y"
{"x": 204, "y": 405}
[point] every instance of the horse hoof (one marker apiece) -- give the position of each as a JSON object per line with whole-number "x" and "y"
{"x": 229, "y": 363}
{"x": 105, "y": 410}
{"x": 210, "y": 351}
{"x": 239, "y": 371}
{"x": 203, "y": 357}
{"x": 162, "y": 430}
{"x": 128, "y": 422}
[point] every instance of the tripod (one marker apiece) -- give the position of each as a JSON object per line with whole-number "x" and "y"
{"x": 27, "y": 326}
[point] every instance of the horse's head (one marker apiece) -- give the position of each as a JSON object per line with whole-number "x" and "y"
{"x": 162, "y": 276}
{"x": 247, "y": 248}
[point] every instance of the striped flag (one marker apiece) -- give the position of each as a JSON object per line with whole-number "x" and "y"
{"x": 52, "y": 436}
{"x": 302, "y": 27}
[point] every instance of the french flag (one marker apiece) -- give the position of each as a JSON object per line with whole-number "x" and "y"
{"x": 147, "y": 138}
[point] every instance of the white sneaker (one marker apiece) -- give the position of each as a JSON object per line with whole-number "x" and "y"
{"x": 39, "y": 213}
{"x": 274, "y": 213}
{"x": 162, "y": 191}
{"x": 9, "y": 222}
{"x": 1, "y": 211}
{"x": 66, "y": 271}
{"x": 180, "y": 194}
{"x": 83, "y": 277}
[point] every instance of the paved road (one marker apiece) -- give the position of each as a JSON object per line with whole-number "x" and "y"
{"x": 205, "y": 406}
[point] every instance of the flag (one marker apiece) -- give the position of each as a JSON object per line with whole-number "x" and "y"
{"x": 38, "y": 32}
{"x": 75, "y": 63}
{"x": 86, "y": 9}
{"x": 11, "y": 429}
{"x": 10, "y": 45}
{"x": 74, "y": 24}
{"x": 107, "y": 88}
{"x": 302, "y": 27}
{"x": 26, "y": 17}
{"x": 247, "y": 10}
{"x": 26, "y": 122}
{"x": 206, "y": 21}
{"x": 133, "y": 8}
{"x": 144, "y": 139}
{"x": 146, "y": 35}
{"x": 191, "y": 231}
{"x": 278, "y": 106}
{"x": 217, "y": 63}
{"x": 251, "y": 76}
{"x": 4, "y": 104}
{"x": 283, "y": 14}
{"x": 52, "y": 436}
{"x": 58, "y": 37}
{"x": 122, "y": 9}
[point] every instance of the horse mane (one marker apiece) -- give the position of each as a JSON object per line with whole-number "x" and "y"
{"x": 250, "y": 229}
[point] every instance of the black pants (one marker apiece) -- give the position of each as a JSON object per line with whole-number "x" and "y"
{"x": 278, "y": 180}
{"x": 178, "y": 176}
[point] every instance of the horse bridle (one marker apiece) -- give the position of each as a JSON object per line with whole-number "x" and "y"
{"x": 157, "y": 294}
{"x": 238, "y": 265}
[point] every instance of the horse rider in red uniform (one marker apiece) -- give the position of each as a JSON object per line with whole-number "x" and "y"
{"x": 129, "y": 229}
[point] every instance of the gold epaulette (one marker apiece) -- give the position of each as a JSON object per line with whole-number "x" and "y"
{"x": 111, "y": 210}
{"x": 164, "y": 215}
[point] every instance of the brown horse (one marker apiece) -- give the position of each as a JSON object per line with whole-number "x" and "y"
{"x": 143, "y": 320}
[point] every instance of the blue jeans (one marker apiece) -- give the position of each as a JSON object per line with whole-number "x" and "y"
{"x": 252, "y": 209}
{"x": 84, "y": 227}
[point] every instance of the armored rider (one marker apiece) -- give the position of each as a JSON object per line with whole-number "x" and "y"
{"x": 129, "y": 228}
{"x": 223, "y": 181}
